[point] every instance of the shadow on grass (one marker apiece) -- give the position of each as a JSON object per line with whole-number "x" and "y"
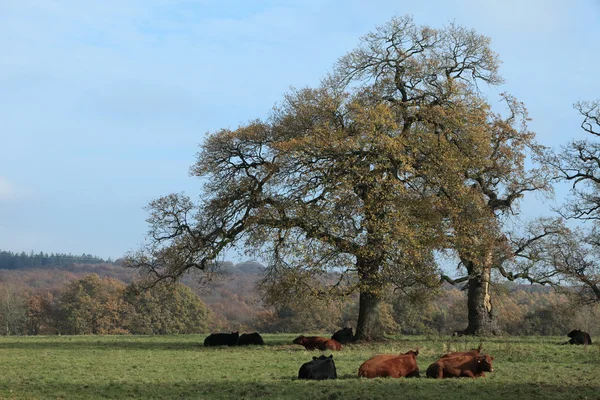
{"x": 128, "y": 343}
{"x": 91, "y": 344}
{"x": 196, "y": 343}
{"x": 289, "y": 389}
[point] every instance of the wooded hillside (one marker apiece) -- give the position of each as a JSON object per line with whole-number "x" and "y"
{"x": 235, "y": 303}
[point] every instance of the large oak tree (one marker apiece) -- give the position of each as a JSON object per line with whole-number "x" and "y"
{"x": 395, "y": 155}
{"x": 477, "y": 166}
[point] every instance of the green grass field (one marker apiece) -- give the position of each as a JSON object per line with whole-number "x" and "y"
{"x": 179, "y": 367}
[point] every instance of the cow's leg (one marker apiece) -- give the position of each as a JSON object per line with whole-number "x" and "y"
{"x": 437, "y": 373}
{"x": 414, "y": 374}
{"x": 467, "y": 373}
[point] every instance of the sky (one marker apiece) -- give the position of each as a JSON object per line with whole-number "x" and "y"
{"x": 103, "y": 104}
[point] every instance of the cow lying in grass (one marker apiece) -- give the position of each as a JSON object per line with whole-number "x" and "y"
{"x": 233, "y": 339}
{"x": 391, "y": 365}
{"x": 343, "y": 336}
{"x": 317, "y": 342}
{"x": 222, "y": 339}
{"x": 250, "y": 338}
{"x": 579, "y": 337}
{"x": 461, "y": 366}
{"x": 319, "y": 368}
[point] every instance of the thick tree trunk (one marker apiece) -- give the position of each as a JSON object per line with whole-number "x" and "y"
{"x": 479, "y": 302}
{"x": 369, "y": 325}
{"x": 371, "y": 286}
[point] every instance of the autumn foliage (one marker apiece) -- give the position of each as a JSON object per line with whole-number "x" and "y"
{"x": 102, "y": 305}
{"x": 91, "y": 304}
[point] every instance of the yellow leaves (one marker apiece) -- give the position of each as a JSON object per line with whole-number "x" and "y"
{"x": 372, "y": 120}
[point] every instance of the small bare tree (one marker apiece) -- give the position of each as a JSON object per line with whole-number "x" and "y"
{"x": 575, "y": 255}
{"x": 13, "y": 309}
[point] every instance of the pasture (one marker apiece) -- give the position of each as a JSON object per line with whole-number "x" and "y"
{"x": 179, "y": 367}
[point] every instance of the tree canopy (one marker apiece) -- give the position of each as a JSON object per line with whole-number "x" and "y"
{"x": 395, "y": 155}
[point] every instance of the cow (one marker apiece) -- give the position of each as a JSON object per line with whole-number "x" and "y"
{"x": 472, "y": 352}
{"x": 317, "y": 342}
{"x": 343, "y": 336}
{"x": 579, "y": 337}
{"x": 463, "y": 366}
{"x": 222, "y": 339}
{"x": 250, "y": 338}
{"x": 392, "y": 365}
{"x": 319, "y": 368}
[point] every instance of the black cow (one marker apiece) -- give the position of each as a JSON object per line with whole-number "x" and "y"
{"x": 222, "y": 339}
{"x": 579, "y": 337}
{"x": 250, "y": 338}
{"x": 343, "y": 335}
{"x": 319, "y": 368}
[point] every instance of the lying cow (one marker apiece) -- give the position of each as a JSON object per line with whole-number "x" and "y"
{"x": 250, "y": 338}
{"x": 472, "y": 352}
{"x": 222, "y": 339}
{"x": 343, "y": 336}
{"x": 319, "y": 368}
{"x": 392, "y": 365}
{"x": 317, "y": 342}
{"x": 464, "y": 366}
{"x": 579, "y": 337}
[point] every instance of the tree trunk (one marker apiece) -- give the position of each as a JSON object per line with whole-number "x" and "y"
{"x": 479, "y": 302}
{"x": 368, "y": 326}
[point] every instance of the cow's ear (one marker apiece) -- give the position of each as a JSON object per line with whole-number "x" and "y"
{"x": 492, "y": 357}
{"x": 331, "y": 356}
{"x": 314, "y": 358}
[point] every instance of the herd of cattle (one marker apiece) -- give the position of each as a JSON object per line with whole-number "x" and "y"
{"x": 472, "y": 364}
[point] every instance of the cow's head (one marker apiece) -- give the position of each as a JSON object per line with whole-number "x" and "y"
{"x": 299, "y": 340}
{"x": 485, "y": 363}
{"x": 413, "y": 352}
{"x": 574, "y": 333}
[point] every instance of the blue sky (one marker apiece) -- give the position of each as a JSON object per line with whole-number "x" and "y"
{"x": 103, "y": 103}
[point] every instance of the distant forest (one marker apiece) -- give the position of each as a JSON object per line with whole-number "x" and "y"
{"x": 36, "y": 288}
{"x": 10, "y": 260}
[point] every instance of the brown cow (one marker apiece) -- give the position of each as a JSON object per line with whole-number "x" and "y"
{"x": 392, "y": 365}
{"x": 317, "y": 342}
{"x": 455, "y": 367}
{"x": 472, "y": 352}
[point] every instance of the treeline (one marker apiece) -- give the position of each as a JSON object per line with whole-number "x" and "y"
{"x": 10, "y": 260}
{"x": 521, "y": 310}
{"x": 57, "y": 301}
{"x": 95, "y": 305}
